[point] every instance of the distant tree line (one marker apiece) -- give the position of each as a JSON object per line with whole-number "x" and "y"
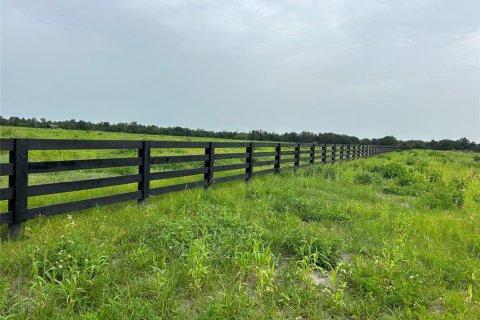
{"x": 258, "y": 135}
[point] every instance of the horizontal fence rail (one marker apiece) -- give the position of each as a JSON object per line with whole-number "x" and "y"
{"x": 207, "y": 158}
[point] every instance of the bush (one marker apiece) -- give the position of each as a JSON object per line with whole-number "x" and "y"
{"x": 409, "y": 184}
{"x": 407, "y": 179}
{"x": 393, "y": 170}
{"x": 446, "y": 196}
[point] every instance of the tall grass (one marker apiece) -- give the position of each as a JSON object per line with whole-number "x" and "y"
{"x": 394, "y": 236}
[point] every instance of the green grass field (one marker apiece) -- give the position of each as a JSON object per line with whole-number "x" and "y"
{"x": 395, "y": 236}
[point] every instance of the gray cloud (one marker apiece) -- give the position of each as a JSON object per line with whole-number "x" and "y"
{"x": 408, "y": 68}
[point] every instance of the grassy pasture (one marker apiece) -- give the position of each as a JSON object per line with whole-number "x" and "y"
{"x": 395, "y": 236}
{"x": 110, "y": 172}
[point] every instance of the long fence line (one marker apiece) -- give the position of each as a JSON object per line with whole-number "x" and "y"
{"x": 282, "y": 156}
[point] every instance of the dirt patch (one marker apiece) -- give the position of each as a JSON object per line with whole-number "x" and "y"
{"x": 437, "y": 306}
{"x": 321, "y": 279}
{"x": 346, "y": 258}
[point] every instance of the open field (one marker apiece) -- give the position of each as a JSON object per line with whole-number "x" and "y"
{"x": 61, "y": 155}
{"x": 394, "y": 236}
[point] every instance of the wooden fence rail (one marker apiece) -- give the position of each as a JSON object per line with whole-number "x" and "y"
{"x": 281, "y": 156}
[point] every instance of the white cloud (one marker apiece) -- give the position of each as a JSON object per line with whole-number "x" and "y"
{"x": 180, "y": 59}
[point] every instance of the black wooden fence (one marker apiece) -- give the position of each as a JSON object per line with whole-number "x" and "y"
{"x": 19, "y": 168}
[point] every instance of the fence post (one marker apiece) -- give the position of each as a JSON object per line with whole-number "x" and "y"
{"x": 278, "y": 157}
{"x": 334, "y": 149}
{"x": 296, "y": 164}
{"x": 324, "y": 153}
{"x": 210, "y": 151}
{"x": 144, "y": 171}
{"x": 312, "y": 154}
{"x": 249, "y": 160}
{"x": 19, "y": 182}
{"x": 348, "y": 152}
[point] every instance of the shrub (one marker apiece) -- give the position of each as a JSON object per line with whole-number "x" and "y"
{"x": 393, "y": 170}
{"x": 446, "y": 196}
{"x": 407, "y": 179}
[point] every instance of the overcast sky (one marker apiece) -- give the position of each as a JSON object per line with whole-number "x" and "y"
{"x": 410, "y": 68}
